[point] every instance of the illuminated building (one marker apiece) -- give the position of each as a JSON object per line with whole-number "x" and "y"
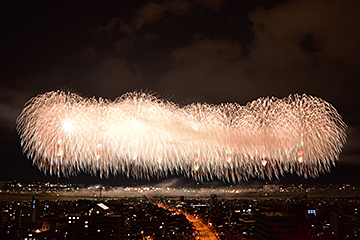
{"x": 213, "y": 200}
{"x": 99, "y": 223}
{"x": 26, "y": 216}
{"x": 96, "y": 227}
{"x": 277, "y": 225}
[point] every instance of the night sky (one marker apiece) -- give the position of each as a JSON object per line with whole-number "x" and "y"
{"x": 184, "y": 50}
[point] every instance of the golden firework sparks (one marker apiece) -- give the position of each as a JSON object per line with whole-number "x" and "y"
{"x": 141, "y": 135}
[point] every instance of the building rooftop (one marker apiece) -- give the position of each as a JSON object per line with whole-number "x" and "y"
{"x": 276, "y": 214}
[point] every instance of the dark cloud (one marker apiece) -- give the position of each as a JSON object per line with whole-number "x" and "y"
{"x": 309, "y": 44}
{"x": 155, "y": 11}
{"x": 284, "y": 26}
{"x": 111, "y": 27}
{"x": 16, "y": 91}
{"x": 212, "y": 68}
{"x": 351, "y": 153}
{"x": 296, "y": 55}
{"x": 113, "y": 76}
{"x": 10, "y": 107}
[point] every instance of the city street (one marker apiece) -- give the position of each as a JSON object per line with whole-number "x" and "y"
{"x": 204, "y": 231}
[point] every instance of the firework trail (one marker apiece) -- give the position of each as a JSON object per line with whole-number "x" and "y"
{"x": 143, "y": 136}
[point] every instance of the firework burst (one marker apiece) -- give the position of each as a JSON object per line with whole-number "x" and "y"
{"x": 143, "y": 136}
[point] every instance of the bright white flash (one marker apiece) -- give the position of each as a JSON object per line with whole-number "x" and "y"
{"x": 68, "y": 127}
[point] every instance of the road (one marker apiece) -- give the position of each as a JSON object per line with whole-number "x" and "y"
{"x": 204, "y": 231}
{"x": 202, "y": 228}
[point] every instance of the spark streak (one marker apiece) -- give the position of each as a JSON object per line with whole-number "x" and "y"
{"x": 143, "y": 136}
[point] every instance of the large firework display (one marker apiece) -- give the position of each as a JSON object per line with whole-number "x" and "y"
{"x": 142, "y": 136}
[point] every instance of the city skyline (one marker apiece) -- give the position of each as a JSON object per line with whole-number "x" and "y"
{"x": 215, "y": 215}
{"x": 184, "y": 51}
